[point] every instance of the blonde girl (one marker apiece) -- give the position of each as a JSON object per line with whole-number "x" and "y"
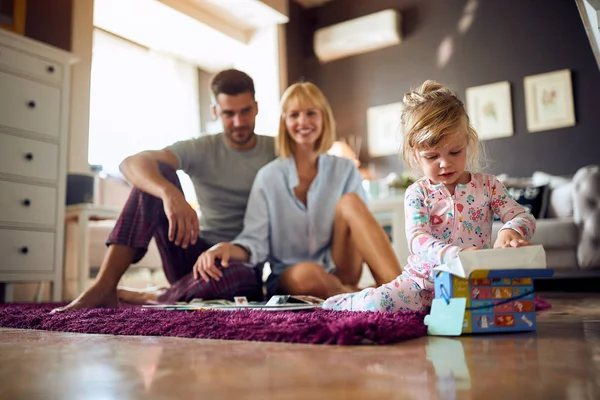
{"x": 449, "y": 210}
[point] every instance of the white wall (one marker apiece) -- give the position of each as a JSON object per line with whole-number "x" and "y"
{"x": 81, "y": 47}
{"x": 261, "y": 60}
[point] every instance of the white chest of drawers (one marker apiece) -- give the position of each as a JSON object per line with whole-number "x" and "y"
{"x": 34, "y": 124}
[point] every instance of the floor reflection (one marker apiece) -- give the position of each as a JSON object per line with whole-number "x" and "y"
{"x": 561, "y": 360}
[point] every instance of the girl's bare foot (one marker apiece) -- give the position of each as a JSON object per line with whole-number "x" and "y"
{"x": 94, "y": 297}
{"x": 140, "y": 296}
{"x": 351, "y": 289}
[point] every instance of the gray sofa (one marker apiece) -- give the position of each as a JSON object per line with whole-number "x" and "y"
{"x": 570, "y": 232}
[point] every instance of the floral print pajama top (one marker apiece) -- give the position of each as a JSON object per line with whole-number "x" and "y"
{"x": 438, "y": 226}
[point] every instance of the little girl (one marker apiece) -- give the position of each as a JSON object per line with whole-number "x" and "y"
{"x": 447, "y": 211}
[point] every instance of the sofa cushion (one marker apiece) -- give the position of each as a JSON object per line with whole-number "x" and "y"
{"x": 561, "y": 260}
{"x": 560, "y": 202}
{"x": 555, "y": 233}
{"x": 513, "y": 181}
{"x": 554, "y": 181}
{"x": 586, "y": 214}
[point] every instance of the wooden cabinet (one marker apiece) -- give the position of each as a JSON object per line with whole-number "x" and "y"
{"x": 34, "y": 123}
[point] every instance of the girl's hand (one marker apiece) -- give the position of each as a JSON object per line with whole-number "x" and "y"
{"x": 472, "y": 248}
{"x": 510, "y": 238}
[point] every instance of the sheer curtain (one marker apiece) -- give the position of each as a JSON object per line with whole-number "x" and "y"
{"x": 140, "y": 100}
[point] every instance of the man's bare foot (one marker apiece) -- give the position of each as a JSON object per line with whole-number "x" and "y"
{"x": 94, "y": 297}
{"x": 140, "y": 296}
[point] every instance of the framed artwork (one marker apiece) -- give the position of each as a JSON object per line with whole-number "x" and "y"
{"x": 490, "y": 110}
{"x": 590, "y": 16}
{"x": 549, "y": 101}
{"x": 12, "y": 15}
{"x": 384, "y": 134}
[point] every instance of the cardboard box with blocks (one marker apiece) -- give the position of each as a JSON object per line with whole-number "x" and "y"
{"x": 487, "y": 291}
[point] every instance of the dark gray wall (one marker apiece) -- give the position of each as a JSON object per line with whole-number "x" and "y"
{"x": 508, "y": 40}
{"x": 49, "y": 21}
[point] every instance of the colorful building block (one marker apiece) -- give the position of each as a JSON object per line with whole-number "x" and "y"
{"x": 495, "y": 299}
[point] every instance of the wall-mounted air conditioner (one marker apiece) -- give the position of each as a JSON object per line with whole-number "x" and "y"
{"x": 357, "y": 36}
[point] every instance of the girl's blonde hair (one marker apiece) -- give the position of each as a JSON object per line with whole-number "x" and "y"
{"x": 432, "y": 116}
{"x": 305, "y": 94}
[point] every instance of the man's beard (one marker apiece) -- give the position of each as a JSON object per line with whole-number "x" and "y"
{"x": 240, "y": 140}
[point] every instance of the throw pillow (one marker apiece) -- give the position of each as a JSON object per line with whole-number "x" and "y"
{"x": 560, "y": 199}
{"x": 554, "y": 181}
{"x": 534, "y": 198}
{"x": 514, "y": 181}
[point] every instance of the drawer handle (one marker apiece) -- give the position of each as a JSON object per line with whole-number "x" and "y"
{"x": 31, "y": 104}
{"x": 29, "y": 156}
{"x": 50, "y": 69}
{"x": 26, "y": 202}
{"x": 24, "y": 250}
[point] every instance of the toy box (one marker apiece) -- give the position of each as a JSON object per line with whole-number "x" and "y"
{"x": 487, "y": 291}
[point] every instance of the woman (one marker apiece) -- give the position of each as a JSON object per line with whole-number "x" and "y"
{"x": 306, "y": 213}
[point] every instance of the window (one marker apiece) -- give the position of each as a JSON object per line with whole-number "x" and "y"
{"x": 140, "y": 100}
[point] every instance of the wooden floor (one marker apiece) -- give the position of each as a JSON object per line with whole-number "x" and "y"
{"x": 560, "y": 361}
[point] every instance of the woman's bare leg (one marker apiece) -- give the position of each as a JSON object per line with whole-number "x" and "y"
{"x": 311, "y": 279}
{"x": 358, "y": 237}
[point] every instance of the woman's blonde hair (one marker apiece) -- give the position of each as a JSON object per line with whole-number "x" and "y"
{"x": 432, "y": 116}
{"x": 305, "y": 94}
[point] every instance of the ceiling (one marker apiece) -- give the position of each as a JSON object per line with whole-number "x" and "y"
{"x": 237, "y": 18}
{"x": 311, "y": 3}
{"x": 204, "y": 32}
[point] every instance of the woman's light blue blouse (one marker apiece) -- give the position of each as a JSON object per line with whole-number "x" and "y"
{"x": 282, "y": 230}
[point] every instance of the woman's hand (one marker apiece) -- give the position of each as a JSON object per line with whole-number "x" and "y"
{"x": 510, "y": 238}
{"x": 206, "y": 267}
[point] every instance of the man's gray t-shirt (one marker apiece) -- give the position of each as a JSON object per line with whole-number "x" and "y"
{"x": 222, "y": 179}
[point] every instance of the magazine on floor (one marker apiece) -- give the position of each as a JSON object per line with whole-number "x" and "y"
{"x": 275, "y": 303}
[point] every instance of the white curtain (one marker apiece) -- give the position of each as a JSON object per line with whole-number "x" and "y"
{"x": 140, "y": 100}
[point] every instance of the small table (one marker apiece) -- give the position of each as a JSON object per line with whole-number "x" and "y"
{"x": 394, "y": 206}
{"x": 83, "y": 214}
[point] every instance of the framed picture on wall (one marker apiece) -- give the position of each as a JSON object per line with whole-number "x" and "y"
{"x": 384, "y": 134}
{"x": 490, "y": 110}
{"x": 12, "y": 15}
{"x": 549, "y": 101}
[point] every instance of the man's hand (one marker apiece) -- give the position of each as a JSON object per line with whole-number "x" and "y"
{"x": 510, "y": 238}
{"x": 183, "y": 220}
{"x": 205, "y": 266}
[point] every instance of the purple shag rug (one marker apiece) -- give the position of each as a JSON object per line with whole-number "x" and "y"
{"x": 541, "y": 304}
{"x": 308, "y": 326}
{"x": 312, "y": 326}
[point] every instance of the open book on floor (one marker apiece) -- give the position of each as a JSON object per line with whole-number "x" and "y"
{"x": 275, "y": 303}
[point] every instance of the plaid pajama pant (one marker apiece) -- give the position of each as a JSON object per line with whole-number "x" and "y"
{"x": 143, "y": 217}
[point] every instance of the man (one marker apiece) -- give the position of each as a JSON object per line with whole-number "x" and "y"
{"x": 222, "y": 168}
